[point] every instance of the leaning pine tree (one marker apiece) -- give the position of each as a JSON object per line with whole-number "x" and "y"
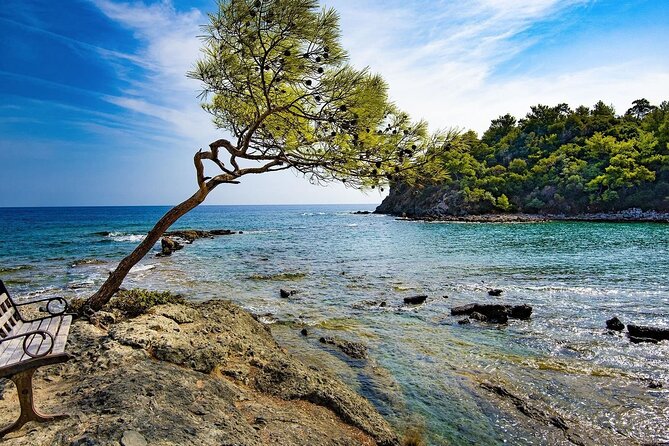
{"x": 276, "y": 78}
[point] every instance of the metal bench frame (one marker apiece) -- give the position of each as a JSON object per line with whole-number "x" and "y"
{"x": 21, "y": 372}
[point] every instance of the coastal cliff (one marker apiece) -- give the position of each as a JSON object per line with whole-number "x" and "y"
{"x": 191, "y": 374}
{"x": 437, "y": 202}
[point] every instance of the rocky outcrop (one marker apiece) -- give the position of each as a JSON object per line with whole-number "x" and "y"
{"x": 641, "y": 333}
{"x": 415, "y": 300}
{"x": 493, "y": 313}
{"x": 203, "y": 374}
{"x": 522, "y": 312}
{"x": 437, "y": 202}
{"x": 190, "y": 235}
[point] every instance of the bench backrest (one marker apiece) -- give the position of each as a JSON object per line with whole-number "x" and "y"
{"x": 8, "y": 316}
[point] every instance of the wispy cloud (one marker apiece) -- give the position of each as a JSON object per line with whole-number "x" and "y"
{"x": 440, "y": 58}
{"x": 169, "y": 48}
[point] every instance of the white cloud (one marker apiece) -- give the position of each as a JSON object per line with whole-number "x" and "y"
{"x": 440, "y": 58}
{"x": 169, "y": 48}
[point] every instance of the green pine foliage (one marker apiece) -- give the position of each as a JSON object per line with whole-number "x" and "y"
{"x": 559, "y": 160}
{"x": 275, "y": 76}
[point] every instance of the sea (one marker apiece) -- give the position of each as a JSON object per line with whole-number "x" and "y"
{"x": 559, "y": 378}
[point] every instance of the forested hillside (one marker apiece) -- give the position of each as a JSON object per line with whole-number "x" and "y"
{"x": 554, "y": 160}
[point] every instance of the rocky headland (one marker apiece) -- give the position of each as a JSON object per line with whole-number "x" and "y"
{"x": 434, "y": 204}
{"x": 190, "y": 374}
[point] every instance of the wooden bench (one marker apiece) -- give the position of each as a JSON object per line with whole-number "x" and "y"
{"x": 26, "y": 344}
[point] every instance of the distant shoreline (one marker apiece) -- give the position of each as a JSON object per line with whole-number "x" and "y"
{"x": 629, "y": 216}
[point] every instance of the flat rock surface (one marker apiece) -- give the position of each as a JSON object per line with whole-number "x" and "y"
{"x": 204, "y": 374}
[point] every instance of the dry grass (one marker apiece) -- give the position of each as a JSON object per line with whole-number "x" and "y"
{"x": 414, "y": 436}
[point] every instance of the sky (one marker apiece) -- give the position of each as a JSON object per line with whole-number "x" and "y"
{"x": 96, "y": 109}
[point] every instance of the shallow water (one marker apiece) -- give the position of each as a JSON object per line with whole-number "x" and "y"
{"x": 424, "y": 367}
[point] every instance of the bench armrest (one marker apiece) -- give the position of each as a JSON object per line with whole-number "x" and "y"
{"x": 26, "y": 336}
{"x": 49, "y": 301}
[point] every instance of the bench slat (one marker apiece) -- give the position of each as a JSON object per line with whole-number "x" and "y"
{"x": 61, "y": 336}
{"x": 18, "y": 328}
{"x": 14, "y": 350}
{"x": 37, "y": 342}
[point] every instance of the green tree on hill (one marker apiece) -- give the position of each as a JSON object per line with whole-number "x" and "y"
{"x": 556, "y": 159}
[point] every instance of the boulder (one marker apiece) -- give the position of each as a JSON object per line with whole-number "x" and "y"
{"x": 464, "y": 321}
{"x": 415, "y": 300}
{"x": 287, "y": 293}
{"x": 495, "y": 292}
{"x": 168, "y": 246}
{"x": 641, "y": 333}
{"x": 615, "y": 324}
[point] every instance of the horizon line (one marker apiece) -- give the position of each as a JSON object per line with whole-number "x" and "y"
{"x": 199, "y": 206}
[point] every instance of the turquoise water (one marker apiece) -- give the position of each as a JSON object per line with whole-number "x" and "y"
{"x": 424, "y": 367}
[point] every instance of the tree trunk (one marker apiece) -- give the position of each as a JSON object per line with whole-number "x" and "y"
{"x": 113, "y": 282}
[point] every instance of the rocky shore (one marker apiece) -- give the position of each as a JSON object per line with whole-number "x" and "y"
{"x": 190, "y": 374}
{"x": 432, "y": 203}
{"x": 629, "y": 215}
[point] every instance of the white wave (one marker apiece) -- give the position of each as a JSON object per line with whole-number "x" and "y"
{"x": 142, "y": 268}
{"x": 261, "y": 231}
{"x": 352, "y": 225}
{"x": 128, "y": 238}
{"x": 267, "y": 320}
{"x": 76, "y": 285}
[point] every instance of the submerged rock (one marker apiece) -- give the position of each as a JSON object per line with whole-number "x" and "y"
{"x": 654, "y": 384}
{"x": 464, "y": 321}
{"x": 615, "y": 324}
{"x": 493, "y": 313}
{"x": 495, "y": 292}
{"x": 640, "y": 333}
{"x": 415, "y": 300}
{"x": 355, "y": 350}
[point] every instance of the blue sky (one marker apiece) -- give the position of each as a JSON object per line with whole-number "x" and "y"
{"x": 95, "y": 108}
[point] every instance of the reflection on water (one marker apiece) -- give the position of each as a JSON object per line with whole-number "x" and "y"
{"x": 562, "y": 365}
